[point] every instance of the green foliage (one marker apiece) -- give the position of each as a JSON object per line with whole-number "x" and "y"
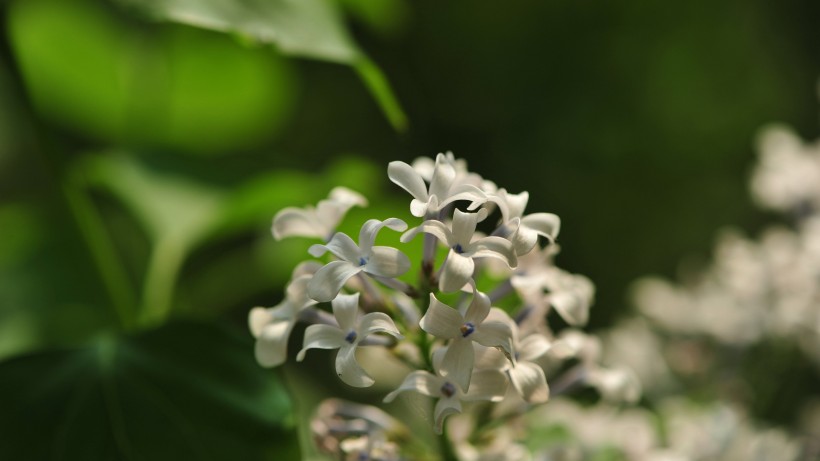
{"x": 185, "y": 391}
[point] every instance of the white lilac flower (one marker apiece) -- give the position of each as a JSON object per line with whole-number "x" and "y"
{"x": 458, "y": 268}
{"x": 528, "y": 227}
{"x": 442, "y": 321}
{"x": 379, "y": 261}
{"x": 428, "y": 201}
{"x": 352, "y": 330}
{"x": 319, "y": 222}
{"x": 272, "y": 326}
{"x": 487, "y": 385}
{"x": 425, "y": 166}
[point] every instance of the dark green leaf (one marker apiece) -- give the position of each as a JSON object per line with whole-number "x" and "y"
{"x": 185, "y": 391}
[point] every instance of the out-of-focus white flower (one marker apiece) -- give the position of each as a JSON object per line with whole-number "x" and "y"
{"x": 272, "y": 326}
{"x": 525, "y": 374}
{"x": 319, "y": 222}
{"x": 347, "y": 336}
{"x": 458, "y": 268}
{"x": 379, "y": 261}
{"x": 788, "y": 174}
{"x": 442, "y": 321}
{"x": 428, "y": 201}
{"x": 487, "y": 385}
{"x": 425, "y": 166}
{"x": 524, "y": 230}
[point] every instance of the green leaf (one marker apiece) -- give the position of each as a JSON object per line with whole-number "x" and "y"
{"x": 185, "y": 391}
{"x": 307, "y": 28}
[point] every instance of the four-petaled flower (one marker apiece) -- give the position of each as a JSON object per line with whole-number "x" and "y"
{"x": 379, "y": 261}
{"x": 442, "y": 321}
{"x": 441, "y": 192}
{"x": 458, "y": 268}
{"x": 524, "y": 230}
{"x": 319, "y": 222}
{"x": 352, "y": 330}
{"x": 272, "y": 326}
{"x": 487, "y": 385}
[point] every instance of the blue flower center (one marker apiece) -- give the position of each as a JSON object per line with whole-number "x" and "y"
{"x": 448, "y": 389}
{"x": 467, "y": 329}
{"x": 458, "y": 249}
{"x": 362, "y": 261}
{"x": 351, "y": 336}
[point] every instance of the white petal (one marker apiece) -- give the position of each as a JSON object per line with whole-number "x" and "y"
{"x": 387, "y": 262}
{"x": 418, "y": 208}
{"x": 533, "y": 347}
{"x": 516, "y": 203}
{"x": 524, "y": 240}
{"x": 455, "y": 272}
{"x": 349, "y": 369}
{"x": 487, "y": 385}
{"x": 546, "y": 224}
{"x": 257, "y": 319}
{"x": 377, "y": 322}
{"x": 419, "y": 381}
{"x": 340, "y": 245}
{"x": 478, "y": 309}
{"x": 344, "y": 195}
{"x": 291, "y": 222}
{"x": 436, "y": 228}
{"x": 494, "y": 334}
{"x": 441, "y": 320}
{"x": 329, "y": 280}
{"x": 346, "y": 309}
{"x": 445, "y": 408}
{"x": 424, "y": 166}
{"x": 296, "y": 292}
{"x": 321, "y": 337}
{"x": 573, "y": 309}
{"x": 495, "y": 247}
{"x": 271, "y": 346}
{"x": 443, "y": 176}
{"x": 464, "y": 227}
{"x": 489, "y": 357}
{"x": 530, "y": 383}
{"x": 404, "y": 176}
{"x": 371, "y": 228}
{"x": 458, "y": 362}
{"x": 467, "y": 192}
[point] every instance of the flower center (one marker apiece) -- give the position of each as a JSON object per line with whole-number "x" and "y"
{"x": 362, "y": 261}
{"x": 458, "y": 248}
{"x": 448, "y": 389}
{"x": 351, "y": 336}
{"x": 467, "y": 329}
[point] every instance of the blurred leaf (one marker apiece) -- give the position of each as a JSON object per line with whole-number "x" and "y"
{"x": 185, "y": 391}
{"x": 309, "y": 28}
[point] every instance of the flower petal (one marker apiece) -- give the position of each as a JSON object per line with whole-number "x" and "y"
{"x": 546, "y": 224}
{"x": 321, "y": 337}
{"x": 404, "y": 176}
{"x": 464, "y": 227}
{"x": 349, "y": 369}
{"x": 529, "y": 381}
{"x": 434, "y": 227}
{"x": 494, "y": 334}
{"x": 346, "y": 309}
{"x": 257, "y": 319}
{"x": 272, "y": 343}
{"x": 458, "y": 362}
{"x": 443, "y": 176}
{"x": 341, "y": 245}
{"x": 387, "y": 262}
{"x": 524, "y": 240}
{"x": 329, "y": 280}
{"x": 467, "y": 192}
{"x": 371, "y": 228}
{"x": 487, "y": 385}
{"x": 301, "y": 222}
{"x": 455, "y": 272}
{"x": 478, "y": 309}
{"x": 344, "y": 195}
{"x": 533, "y": 347}
{"x": 441, "y": 320}
{"x": 495, "y": 247}
{"x": 445, "y": 408}
{"x": 377, "y": 322}
{"x": 420, "y": 381}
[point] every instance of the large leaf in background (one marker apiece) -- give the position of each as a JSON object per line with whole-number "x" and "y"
{"x": 186, "y": 391}
{"x": 309, "y": 28}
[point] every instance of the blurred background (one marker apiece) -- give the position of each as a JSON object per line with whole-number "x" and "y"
{"x": 145, "y": 147}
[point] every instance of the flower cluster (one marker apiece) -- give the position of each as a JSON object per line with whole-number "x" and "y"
{"x": 448, "y": 328}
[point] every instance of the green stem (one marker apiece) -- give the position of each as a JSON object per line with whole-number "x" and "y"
{"x": 446, "y": 446}
{"x": 102, "y": 251}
